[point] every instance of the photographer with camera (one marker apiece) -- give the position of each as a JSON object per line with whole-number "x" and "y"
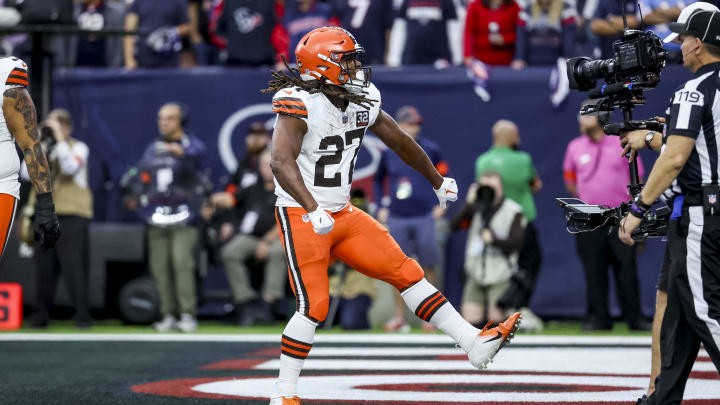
{"x": 495, "y": 237}
{"x": 688, "y": 161}
{"x": 67, "y": 158}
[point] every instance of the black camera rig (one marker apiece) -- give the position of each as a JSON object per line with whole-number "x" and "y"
{"x": 636, "y": 67}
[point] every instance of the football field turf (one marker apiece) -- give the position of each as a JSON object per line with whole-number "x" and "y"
{"x": 149, "y": 368}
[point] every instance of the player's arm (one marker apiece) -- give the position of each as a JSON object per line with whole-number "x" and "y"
{"x": 287, "y": 143}
{"x": 404, "y": 146}
{"x": 21, "y": 119}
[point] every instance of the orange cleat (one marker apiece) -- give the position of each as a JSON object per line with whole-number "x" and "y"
{"x": 490, "y": 340}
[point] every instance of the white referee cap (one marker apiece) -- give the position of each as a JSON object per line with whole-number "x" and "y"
{"x": 686, "y": 13}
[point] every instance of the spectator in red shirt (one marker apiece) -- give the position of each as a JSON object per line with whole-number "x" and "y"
{"x": 490, "y": 31}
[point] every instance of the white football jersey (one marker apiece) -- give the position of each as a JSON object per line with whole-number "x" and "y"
{"x": 330, "y": 146}
{"x": 13, "y": 73}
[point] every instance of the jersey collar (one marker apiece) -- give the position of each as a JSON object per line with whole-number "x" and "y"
{"x": 707, "y": 68}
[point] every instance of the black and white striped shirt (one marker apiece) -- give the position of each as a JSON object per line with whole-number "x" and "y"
{"x": 695, "y": 112}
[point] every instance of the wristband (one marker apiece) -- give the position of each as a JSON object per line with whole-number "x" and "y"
{"x": 638, "y": 209}
{"x": 649, "y": 138}
{"x": 45, "y": 200}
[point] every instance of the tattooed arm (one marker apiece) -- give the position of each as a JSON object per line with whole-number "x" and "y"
{"x": 19, "y": 112}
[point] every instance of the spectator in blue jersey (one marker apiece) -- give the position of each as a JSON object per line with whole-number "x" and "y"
{"x": 608, "y": 25}
{"x": 546, "y": 31}
{"x": 411, "y": 208}
{"x": 422, "y": 33}
{"x": 657, "y": 14}
{"x": 303, "y": 16}
{"x": 369, "y": 21}
{"x": 166, "y": 23}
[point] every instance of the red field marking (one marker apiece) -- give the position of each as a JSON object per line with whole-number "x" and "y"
{"x": 233, "y": 364}
{"x": 438, "y": 387}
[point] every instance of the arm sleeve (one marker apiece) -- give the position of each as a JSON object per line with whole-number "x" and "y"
{"x": 17, "y": 76}
{"x": 521, "y": 40}
{"x": 72, "y": 159}
{"x": 686, "y": 111}
{"x": 288, "y": 102}
{"x": 515, "y": 239}
{"x": 462, "y": 219}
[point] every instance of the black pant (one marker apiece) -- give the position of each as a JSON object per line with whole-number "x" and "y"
{"x": 692, "y": 315}
{"x": 522, "y": 285}
{"x": 598, "y": 250}
{"x": 69, "y": 257}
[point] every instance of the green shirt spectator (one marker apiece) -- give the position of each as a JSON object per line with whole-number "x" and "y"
{"x": 518, "y": 173}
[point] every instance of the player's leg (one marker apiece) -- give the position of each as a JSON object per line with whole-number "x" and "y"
{"x": 369, "y": 248}
{"x": 400, "y": 231}
{"x": 660, "y": 305}
{"x": 8, "y": 204}
{"x": 308, "y": 255}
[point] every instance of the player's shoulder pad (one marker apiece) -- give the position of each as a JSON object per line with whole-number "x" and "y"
{"x": 14, "y": 71}
{"x": 292, "y": 102}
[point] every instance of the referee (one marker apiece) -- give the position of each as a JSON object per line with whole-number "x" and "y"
{"x": 690, "y": 153}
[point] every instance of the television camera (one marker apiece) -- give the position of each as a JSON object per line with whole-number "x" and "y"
{"x": 639, "y": 58}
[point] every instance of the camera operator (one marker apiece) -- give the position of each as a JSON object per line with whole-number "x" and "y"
{"x": 68, "y": 158}
{"x": 495, "y": 237}
{"x": 591, "y": 168}
{"x": 689, "y": 156}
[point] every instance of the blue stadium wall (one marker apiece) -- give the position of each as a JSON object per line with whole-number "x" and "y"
{"x": 115, "y": 113}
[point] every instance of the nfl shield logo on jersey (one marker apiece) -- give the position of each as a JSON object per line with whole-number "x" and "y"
{"x": 345, "y": 118}
{"x": 712, "y": 198}
{"x": 363, "y": 118}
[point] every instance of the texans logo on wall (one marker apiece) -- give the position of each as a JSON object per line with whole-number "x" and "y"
{"x": 557, "y": 370}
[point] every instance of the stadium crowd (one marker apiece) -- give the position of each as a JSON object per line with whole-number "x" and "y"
{"x": 237, "y": 224}
{"x": 188, "y": 33}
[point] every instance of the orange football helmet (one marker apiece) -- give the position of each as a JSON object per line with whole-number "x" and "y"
{"x": 319, "y": 55}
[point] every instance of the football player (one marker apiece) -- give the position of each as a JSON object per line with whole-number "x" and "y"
{"x": 18, "y": 123}
{"x": 323, "y": 110}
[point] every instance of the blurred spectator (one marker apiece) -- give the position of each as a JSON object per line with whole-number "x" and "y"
{"x": 657, "y": 14}
{"x": 546, "y": 31}
{"x": 592, "y": 168}
{"x": 73, "y": 203}
{"x": 247, "y": 174}
{"x": 97, "y": 15}
{"x": 253, "y": 33}
{"x": 410, "y": 210}
{"x": 490, "y": 31}
{"x": 520, "y": 180}
{"x": 171, "y": 247}
{"x": 495, "y": 237}
{"x": 303, "y": 16}
{"x": 162, "y": 25}
{"x": 255, "y": 236}
{"x": 608, "y": 23}
{"x": 370, "y": 22}
{"x": 421, "y": 34}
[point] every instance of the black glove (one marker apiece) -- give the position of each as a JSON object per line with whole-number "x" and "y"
{"x": 45, "y": 223}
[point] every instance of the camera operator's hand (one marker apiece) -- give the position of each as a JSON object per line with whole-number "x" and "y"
{"x": 45, "y": 225}
{"x": 627, "y": 226}
{"x": 632, "y": 142}
{"x": 56, "y": 129}
{"x": 175, "y": 148}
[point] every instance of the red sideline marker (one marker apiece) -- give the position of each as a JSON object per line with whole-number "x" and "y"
{"x": 10, "y": 306}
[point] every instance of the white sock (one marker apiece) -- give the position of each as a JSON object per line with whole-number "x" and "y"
{"x": 431, "y": 306}
{"x": 297, "y": 340}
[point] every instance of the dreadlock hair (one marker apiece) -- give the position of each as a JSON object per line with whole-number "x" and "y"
{"x": 291, "y": 78}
